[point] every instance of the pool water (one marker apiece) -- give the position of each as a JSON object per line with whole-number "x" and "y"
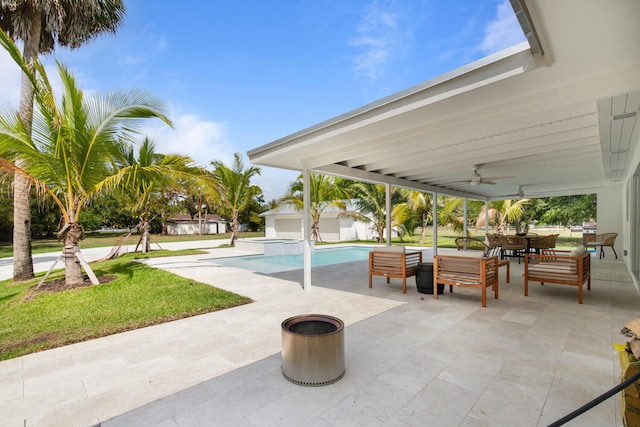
{"x": 277, "y": 263}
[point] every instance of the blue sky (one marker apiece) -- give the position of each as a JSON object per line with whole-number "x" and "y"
{"x": 237, "y": 75}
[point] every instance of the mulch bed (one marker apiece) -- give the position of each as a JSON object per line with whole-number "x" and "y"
{"x": 60, "y": 285}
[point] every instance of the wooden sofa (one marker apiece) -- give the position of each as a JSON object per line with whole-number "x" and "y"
{"x": 393, "y": 261}
{"x": 563, "y": 267}
{"x": 468, "y": 271}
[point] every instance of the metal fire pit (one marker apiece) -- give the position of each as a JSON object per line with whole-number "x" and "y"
{"x": 313, "y": 349}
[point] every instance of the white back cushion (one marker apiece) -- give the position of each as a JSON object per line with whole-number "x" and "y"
{"x": 466, "y": 254}
{"x": 577, "y": 251}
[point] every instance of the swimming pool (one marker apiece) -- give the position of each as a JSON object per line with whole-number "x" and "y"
{"x": 277, "y": 263}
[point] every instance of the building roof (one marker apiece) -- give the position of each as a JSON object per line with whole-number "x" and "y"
{"x": 561, "y": 118}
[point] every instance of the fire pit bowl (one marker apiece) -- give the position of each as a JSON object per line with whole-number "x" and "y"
{"x": 313, "y": 349}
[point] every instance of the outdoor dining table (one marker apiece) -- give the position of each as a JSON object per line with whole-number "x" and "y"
{"x": 528, "y": 237}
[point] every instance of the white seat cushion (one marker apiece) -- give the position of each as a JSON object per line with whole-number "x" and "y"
{"x": 392, "y": 249}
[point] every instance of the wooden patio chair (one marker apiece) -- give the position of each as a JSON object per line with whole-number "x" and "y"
{"x": 474, "y": 244}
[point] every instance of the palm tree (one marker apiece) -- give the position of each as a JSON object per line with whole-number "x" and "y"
{"x": 144, "y": 179}
{"x": 449, "y": 213}
{"x": 198, "y": 199}
{"x": 502, "y": 212}
{"x": 371, "y": 204}
{"x": 69, "y": 154}
{"x": 417, "y": 204}
{"x": 325, "y": 191}
{"x": 40, "y": 25}
{"x": 235, "y": 189}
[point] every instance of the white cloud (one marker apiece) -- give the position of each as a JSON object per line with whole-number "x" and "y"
{"x": 10, "y": 78}
{"x": 503, "y": 31}
{"x": 203, "y": 140}
{"x": 206, "y": 141}
{"x": 380, "y": 38}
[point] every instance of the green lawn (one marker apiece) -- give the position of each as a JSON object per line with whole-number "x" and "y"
{"x": 139, "y": 296}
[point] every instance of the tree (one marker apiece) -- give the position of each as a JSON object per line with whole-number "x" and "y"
{"x": 107, "y": 209}
{"x": 70, "y": 152}
{"x": 324, "y": 192}
{"x": 570, "y": 210}
{"x": 502, "y": 212}
{"x": 40, "y": 25}
{"x": 235, "y": 189}
{"x": 143, "y": 180}
{"x": 372, "y": 206}
{"x": 198, "y": 198}
{"x": 449, "y": 213}
{"x": 417, "y": 205}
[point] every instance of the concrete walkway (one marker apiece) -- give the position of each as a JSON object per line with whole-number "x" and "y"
{"x": 411, "y": 360}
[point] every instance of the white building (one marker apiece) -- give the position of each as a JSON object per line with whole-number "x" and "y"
{"x": 183, "y": 224}
{"x": 286, "y": 222}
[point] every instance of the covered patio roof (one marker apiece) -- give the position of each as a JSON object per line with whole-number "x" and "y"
{"x": 557, "y": 118}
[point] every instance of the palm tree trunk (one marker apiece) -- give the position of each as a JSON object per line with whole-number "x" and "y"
{"x": 146, "y": 245}
{"x": 163, "y": 219}
{"x": 234, "y": 233}
{"x": 234, "y": 228}
{"x": 73, "y": 233}
{"x": 315, "y": 231}
{"x": 22, "y": 261}
{"x": 381, "y": 228}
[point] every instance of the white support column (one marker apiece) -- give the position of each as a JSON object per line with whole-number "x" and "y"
{"x": 306, "y": 201}
{"x": 486, "y": 218}
{"x": 434, "y": 209}
{"x": 388, "y": 208}
{"x": 464, "y": 224}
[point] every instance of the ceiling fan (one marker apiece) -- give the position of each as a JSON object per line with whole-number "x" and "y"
{"x": 477, "y": 179}
{"x": 520, "y": 193}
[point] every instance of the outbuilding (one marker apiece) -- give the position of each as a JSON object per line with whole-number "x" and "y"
{"x": 183, "y": 224}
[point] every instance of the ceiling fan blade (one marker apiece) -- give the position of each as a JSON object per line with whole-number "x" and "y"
{"x": 464, "y": 181}
{"x": 486, "y": 181}
{"x": 491, "y": 178}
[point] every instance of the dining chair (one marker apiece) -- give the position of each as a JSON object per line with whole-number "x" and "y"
{"x": 513, "y": 246}
{"x": 540, "y": 243}
{"x": 472, "y": 244}
{"x": 494, "y": 244}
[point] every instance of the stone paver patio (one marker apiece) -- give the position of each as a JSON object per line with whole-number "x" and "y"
{"x": 410, "y": 360}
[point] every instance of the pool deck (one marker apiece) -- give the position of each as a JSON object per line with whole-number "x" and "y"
{"x": 410, "y": 360}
